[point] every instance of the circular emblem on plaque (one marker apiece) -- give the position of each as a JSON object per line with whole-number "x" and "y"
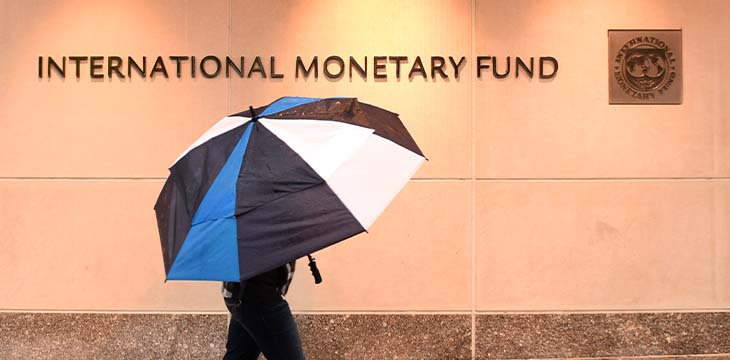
{"x": 645, "y": 67}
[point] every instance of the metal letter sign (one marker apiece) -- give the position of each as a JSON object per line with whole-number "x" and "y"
{"x": 645, "y": 66}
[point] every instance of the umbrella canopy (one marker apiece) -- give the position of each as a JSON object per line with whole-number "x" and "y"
{"x": 267, "y": 186}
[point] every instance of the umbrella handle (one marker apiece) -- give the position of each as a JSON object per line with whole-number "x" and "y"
{"x": 315, "y": 271}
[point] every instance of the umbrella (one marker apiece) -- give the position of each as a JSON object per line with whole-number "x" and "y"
{"x": 270, "y": 185}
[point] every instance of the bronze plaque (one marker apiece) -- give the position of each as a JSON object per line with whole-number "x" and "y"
{"x": 645, "y": 66}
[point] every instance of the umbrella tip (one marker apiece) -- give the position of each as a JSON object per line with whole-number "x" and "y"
{"x": 253, "y": 113}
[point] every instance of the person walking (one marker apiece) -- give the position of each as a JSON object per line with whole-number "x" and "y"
{"x": 261, "y": 320}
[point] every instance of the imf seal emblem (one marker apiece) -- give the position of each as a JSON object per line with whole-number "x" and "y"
{"x": 645, "y": 67}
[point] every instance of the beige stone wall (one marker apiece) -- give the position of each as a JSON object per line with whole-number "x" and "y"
{"x": 538, "y": 195}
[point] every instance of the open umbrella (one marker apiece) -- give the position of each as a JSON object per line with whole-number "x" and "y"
{"x": 267, "y": 186}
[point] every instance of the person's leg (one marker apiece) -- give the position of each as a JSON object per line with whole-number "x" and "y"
{"x": 273, "y": 328}
{"x": 240, "y": 345}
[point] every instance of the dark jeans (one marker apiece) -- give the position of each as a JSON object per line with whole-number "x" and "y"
{"x": 262, "y": 328}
